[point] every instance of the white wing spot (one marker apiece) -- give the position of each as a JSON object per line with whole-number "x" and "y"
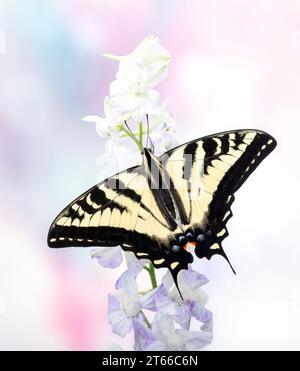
{"x": 174, "y": 265}
{"x": 226, "y": 215}
{"x": 228, "y": 199}
{"x": 215, "y": 246}
{"x": 221, "y": 233}
{"x": 141, "y": 253}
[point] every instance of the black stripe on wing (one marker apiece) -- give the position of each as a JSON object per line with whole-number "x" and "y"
{"x": 220, "y": 207}
{"x": 70, "y": 235}
{"x": 261, "y": 146}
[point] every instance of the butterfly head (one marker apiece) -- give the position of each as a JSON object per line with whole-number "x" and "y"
{"x": 148, "y": 150}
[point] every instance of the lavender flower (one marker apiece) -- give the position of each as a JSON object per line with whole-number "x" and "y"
{"x": 165, "y": 336}
{"x": 168, "y": 301}
{"x": 108, "y": 257}
{"x": 125, "y": 305}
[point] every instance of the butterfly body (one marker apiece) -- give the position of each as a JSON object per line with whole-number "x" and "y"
{"x": 169, "y": 205}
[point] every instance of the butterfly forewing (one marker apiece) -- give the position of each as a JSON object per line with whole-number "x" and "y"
{"x": 98, "y": 217}
{"x": 119, "y": 211}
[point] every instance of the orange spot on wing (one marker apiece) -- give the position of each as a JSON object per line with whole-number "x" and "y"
{"x": 186, "y": 246}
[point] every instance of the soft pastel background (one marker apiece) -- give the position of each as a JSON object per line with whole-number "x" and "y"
{"x": 235, "y": 64}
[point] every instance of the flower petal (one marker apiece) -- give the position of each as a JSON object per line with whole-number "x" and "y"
{"x": 155, "y": 299}
{"x": 117, "y": 87}
{"x": 93, "y": 119}
{"x": 108, "y": 257}
{"x": 199, "y": 312}
{"x": 193, "y": 279}
{"x": 190, "y": 283}
{"x": 134, "y": 264}
{"x": 128, "y": 302}
{"x": 120, "y": 323}
{"x": 128, "y": 283}
{"x": 103, "y": 125}
{"x": 194, "y": 340}
{"x": 142, "y": 333}
{"x": 163, "y": 329}
{"x": 154, "y": 345}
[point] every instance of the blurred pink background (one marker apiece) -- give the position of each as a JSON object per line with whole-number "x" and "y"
{"x": 235, "y": 64}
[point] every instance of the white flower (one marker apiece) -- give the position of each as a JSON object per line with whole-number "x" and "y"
{"x": 139, "y": 72}
{"x": 121, "y": 155}
{"x": 110, "y": 124}
{"x": 162, "y": 130}
{"x": 148, "y": 63}
{"x": 163, "y": 118}
{"x": 135, "y": 100}
{"x": 116, "y": 157}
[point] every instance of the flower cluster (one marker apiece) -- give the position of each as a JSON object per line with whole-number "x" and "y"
{"x": 170, "y": 326}
{"x": 133, "y": 98}
{"x": 159, "y": 318}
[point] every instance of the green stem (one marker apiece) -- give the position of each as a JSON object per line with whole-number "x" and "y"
{"x": 141, "y": 134}
{"x": 133, "y": 138}
{"x": 151, "y": 270}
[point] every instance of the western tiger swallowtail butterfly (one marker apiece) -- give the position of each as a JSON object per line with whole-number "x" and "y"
{"x": 169, "y": 204}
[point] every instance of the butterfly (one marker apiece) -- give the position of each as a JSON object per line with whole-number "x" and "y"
{"x": 170, "y": 207}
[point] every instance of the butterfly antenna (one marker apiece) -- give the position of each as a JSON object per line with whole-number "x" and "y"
{"x": 131, "y": 132}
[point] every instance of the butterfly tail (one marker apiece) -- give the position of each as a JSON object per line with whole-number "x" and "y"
{"x": 228, "y": 261}
{"x": 174, "y": 275}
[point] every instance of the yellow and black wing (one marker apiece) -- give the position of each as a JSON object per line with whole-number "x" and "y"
{"x": 122, "y": 210}
{"x": 206, "y": 173}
